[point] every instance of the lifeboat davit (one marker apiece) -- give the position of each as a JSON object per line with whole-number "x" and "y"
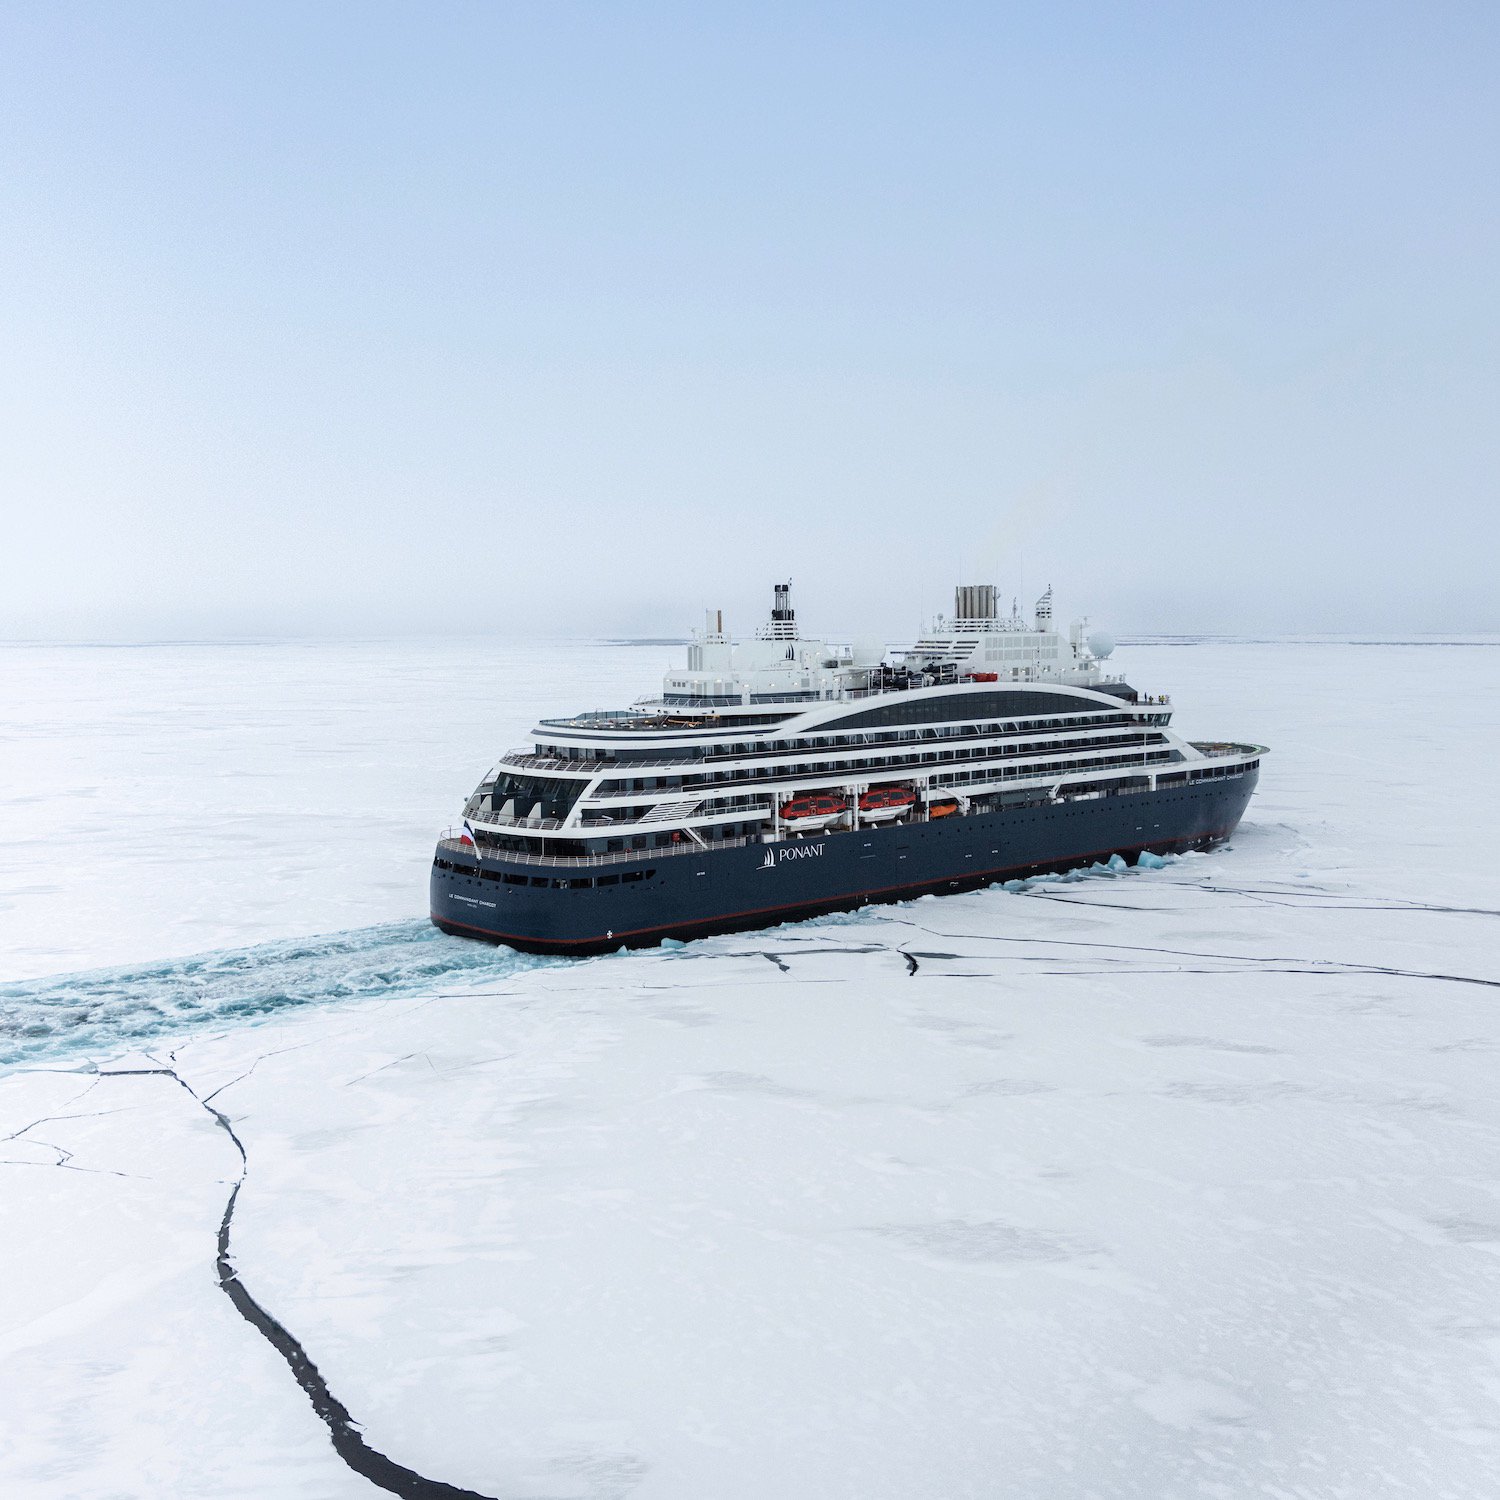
{"x": 813, "y": 810}
{"x": 883, "y": 803}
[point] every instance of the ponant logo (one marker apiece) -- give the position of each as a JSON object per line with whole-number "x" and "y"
{"x": 784, "y": 852}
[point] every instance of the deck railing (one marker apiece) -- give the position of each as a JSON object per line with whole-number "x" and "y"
{"x": 649, "y": 712}
{"x": 454, "y": 845}
{"x": 871, "y": 740}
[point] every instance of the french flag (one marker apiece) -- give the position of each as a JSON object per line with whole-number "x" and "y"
{"x": 467, "y": 836}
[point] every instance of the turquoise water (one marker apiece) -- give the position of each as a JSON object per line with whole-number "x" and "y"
{"x": 70, "y": 1015}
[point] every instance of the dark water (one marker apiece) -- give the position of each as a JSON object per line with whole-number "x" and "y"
{"x": 68, "y": 1015}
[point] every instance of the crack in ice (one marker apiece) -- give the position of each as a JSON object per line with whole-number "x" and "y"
{"x": 348, "y": 1442}
{"x": 1271, "y": 963}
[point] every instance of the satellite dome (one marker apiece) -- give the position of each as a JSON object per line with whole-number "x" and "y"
{"x": 1101, "y": 643}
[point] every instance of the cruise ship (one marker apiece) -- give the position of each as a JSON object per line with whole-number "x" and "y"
{"x": 784, "y": 777}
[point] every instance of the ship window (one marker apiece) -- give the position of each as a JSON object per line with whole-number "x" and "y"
{"x": 633, "y": 875}
{"x": 609, "y": 880}
{"x": 540, "y": 880}
{"x": 534, "y": 796}
{"x": 515, "y": 880}
{"x": 580, "y": 885}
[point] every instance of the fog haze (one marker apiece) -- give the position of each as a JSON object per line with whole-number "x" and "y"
{"x": 560, "y": 320}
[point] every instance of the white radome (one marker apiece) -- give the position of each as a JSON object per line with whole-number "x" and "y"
{"x": 1101, "y": 643}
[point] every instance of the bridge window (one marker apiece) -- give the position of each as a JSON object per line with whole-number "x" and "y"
{"x": 533, "y": 796}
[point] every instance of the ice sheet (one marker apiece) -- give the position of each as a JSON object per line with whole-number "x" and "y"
{"x": 159, "y": 801}
{"x": 1163, "y": 1183}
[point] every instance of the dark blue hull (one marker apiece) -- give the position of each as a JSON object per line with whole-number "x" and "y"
{"x": 578, "y": 908}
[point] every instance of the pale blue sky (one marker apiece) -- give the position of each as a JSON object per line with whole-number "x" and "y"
{"x": 369, "y": 318}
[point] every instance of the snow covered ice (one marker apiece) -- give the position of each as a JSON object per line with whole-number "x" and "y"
{"x": 1166, "y": 1182}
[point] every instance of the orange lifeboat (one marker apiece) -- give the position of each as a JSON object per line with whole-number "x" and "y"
{"x": 813, "y": 810}
{"x": 882, "y": 803}
{"x": 944, "y": 807}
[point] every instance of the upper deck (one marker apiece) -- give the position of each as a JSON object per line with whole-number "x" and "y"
{"x": 781, "y": 676}
{"x": 780, "y": 672}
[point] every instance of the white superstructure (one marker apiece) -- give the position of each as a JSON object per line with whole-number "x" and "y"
{"x": 779, "y": 735}
{"x": 779, "y": 663}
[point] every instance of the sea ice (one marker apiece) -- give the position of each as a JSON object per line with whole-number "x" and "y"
{"x": 1169, "y": 1185}
{"x": 162, "y": 801}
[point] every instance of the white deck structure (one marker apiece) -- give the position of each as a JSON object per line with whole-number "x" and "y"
{"x": 983, "y": 712}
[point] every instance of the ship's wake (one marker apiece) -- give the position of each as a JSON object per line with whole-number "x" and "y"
{"x": 69, "y": 1014}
